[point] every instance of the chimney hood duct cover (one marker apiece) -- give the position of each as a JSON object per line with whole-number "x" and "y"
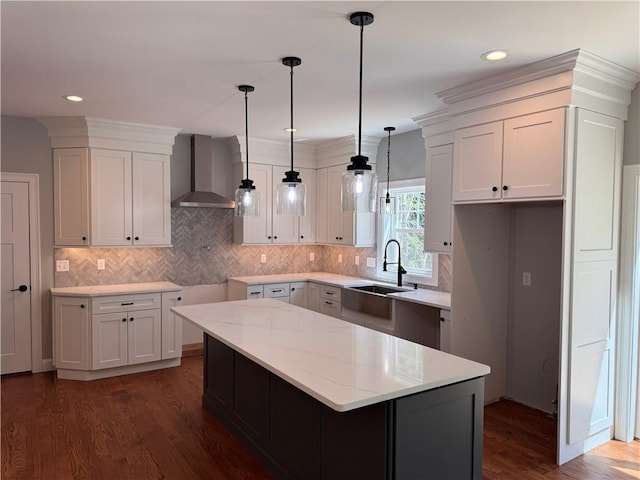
{"x": 201, "y": 159}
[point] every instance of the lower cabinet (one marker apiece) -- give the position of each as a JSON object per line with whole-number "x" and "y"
{"x": 330, "y": 301}
{"x": 92, "y": 334}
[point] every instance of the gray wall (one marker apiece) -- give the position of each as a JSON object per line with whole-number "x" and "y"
{"x": 407, "y": 156}
{"x": 632, "y": 130}
{"x": 26, "y": 149}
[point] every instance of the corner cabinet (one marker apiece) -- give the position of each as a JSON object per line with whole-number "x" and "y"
{"x": 515, "y": 159}
{"x": 111, "y": 198}
{"x": 108, "y": 335}
{"x": 269, "y": 227}
{"x": 336, "y": 227}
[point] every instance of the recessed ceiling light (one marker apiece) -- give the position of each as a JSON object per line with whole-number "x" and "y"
{"x": 494, "y": 55}
{"x": 73, "y": 98}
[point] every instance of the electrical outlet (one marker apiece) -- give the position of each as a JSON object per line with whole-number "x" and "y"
{"x": 101, "y": 264}
{"x": 371, "y": 262}
{"x": 312, "y": 257}
{"x": 526, "y": 279}
{"x": 62, "y": 265}
{"x": 339, "y": 258}
{"x": 356, "y": 260}
{"x": 263, "y": 258}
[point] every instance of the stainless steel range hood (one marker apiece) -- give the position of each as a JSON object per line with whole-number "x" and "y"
{"x": 201, "y": 166}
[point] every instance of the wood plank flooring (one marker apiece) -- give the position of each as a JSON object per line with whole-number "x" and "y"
{"x": 152, "y": 425}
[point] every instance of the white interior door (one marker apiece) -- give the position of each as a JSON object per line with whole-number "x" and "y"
{"x": 15, "y": 333}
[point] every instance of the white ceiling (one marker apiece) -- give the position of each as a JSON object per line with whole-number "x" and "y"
{"x": 179, "y": 63}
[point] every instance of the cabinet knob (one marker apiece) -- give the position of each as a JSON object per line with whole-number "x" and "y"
{"x": 131, "y": 319}
{"x": 82, "y": 305}
{"x": 128, "y": 238}
{"x": 179, "y": 299}
{"x": 442, "y": 319}
{"x": 293, "y": 289}
{"x": 445, "y": 243}
{"x": 301, "y": 236}
{"x": 124, "y": 319}
{"x": 505, "y": 187}
{"x": 269, "y": 237}
{"x": 84, "y": 238}
{"x": 275, "y": 237}
{"x": 136, "y": 238}
{"x": 494, "y": 189}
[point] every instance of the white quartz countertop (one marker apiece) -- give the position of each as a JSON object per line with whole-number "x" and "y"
{"x": 343, "y": 365}
{"x": 119, "y": 289}
{"x": 422, "y": 296}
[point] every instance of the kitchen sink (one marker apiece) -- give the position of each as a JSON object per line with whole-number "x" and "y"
{"x": 379, "y": 289}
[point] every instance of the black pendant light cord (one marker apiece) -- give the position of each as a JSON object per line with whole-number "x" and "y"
{"x": 360, "y": 97}
{"x": 246, "y": 130}
{"x": 388, "y": 129}
{"x": 291, "y": 129}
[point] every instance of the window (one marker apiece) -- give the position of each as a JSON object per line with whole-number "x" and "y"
{"x": 407, "y": 227}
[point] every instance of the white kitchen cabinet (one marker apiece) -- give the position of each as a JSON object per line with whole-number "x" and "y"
{"x": 331, "y": 301}
{"x": 515, "y": 159}
{"x": 322, "y": 201}
{"x": 111, "y": 198}
{"x": 277, "y": 291}
{"x": 121, "y": 333}
{"x": 313, "y": 298}
{"x": 341, "y": 228}
{"x": 437, "y": 229}
{"x": 71, "y": 327}
{"x": 299, "y": 294}
{"x": 269, "y": 227}
{"x": 171, "y": 326}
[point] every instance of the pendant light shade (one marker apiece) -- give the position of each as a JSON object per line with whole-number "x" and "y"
{"x": 388, "y": 203}
{"x": 247, "y": 197}
{"x": 359, "y": 182}
{"x": 291, "y": 194}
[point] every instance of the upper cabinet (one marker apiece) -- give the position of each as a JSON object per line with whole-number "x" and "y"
{"x": 111, "y": 197}
{"x": 515, "y": 159}
{"x": 437, "y": 225}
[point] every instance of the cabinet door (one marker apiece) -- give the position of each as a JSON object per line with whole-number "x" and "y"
{"x": 111, "y": 198}
{"x": 533, "y": 158}
{"x": 144, "y": 338}
{"x": 71, "y": 333}
{"x": 255, "y": 230}
{"x": 284, "y": 228}
{"x": 477, "y": 163}
{"x": 71, "y": 196}
{"x": 313, "y": 297}
{"x": 307, "y": 223}
{"x": 109, "y": 340}
{"x": 437, "y": 228}
{"x": 340, "y": 224}
{"x": 298, "y": 294}
{"x": 171, "y": 326}
{"x": 151, "y": 199}
{"x": 322, "y": 202}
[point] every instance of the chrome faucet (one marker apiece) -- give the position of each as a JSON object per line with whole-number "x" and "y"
{"x": 385, "y": 263}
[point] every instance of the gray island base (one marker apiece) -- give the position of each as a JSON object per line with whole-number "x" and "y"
{"x": 314, "y": 397}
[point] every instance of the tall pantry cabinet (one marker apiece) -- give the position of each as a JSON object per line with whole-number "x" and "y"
{"x": 112, "y": 183}
{"x": 539, "y": 149}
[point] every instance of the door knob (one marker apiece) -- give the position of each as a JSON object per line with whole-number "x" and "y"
{"x": 21, "y": 288}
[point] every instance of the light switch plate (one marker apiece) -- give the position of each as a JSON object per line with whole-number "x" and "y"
{"x": 101, "y": 264}
{"x": 356, "y": 260}
{"x": 263, "y": 258}
{"x": 339, "y": 258}
{"x": 312, "y": 257}
{"x": 62, "y": 265}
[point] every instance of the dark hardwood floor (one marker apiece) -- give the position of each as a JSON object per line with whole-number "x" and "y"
{"x": 152, "y": 425}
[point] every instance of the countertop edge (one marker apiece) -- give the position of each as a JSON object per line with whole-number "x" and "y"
{"x": 115, "y": 289}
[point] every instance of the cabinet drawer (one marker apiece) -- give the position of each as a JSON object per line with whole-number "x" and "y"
{"x": 276, "y": 290}
{"x": 328, "y": 292}
{"x": 331, "y": 308}
{"x": 255, "y": 291}
{"x": 126, "y": 303}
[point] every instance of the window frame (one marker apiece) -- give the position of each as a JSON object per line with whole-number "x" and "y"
{"x": 392, "y": 275}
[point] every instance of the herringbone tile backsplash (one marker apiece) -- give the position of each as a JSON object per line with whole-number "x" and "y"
{"x": 203, "y": 252}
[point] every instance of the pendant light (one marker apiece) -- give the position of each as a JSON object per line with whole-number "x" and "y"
{"x": 359, "y": 182}
{"x": 388, "y": 203}
{"x": 247, "y": 197}
{"x": 291, "y": 194}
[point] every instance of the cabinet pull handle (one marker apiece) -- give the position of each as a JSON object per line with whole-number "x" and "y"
{"x": 127, "y": 303}
{"x": 505, "y": 187}
{"x": 494, "y": 189}
{"x": 277, "y": 290}
{"x": 128, "y": 238}
{"x": 328, "y": 303}
{"x": 124, "y": 319}
{"x": 328, "y": 293}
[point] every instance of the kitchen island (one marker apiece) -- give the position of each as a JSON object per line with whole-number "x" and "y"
{"x": 316, "y": 397}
